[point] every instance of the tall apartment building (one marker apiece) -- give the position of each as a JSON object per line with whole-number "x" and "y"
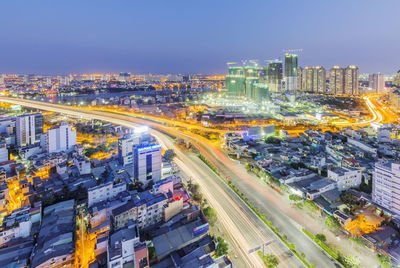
{"x": 58, "y": 139}
{"x": 291, "y": 65}
{"x": 351, "y": 80}
{"x": 336, "y": 80}
{"x": 319, "y": 79}
{"x": 147, "y": 163}
{"x": 377, "y": 82}
{"x": 29, "y": 128}
{"x": 386, "y": 186}
{"x": 300, "y": 79}
{"x": 273, "y": 72}
{"x": 314, "y": 79}
{"x": 308, "y": 78}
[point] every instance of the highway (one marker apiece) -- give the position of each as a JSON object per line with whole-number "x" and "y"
{"x": 243, "y": 228}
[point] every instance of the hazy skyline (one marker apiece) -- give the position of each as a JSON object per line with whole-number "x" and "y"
{"x": 60, "y": 37}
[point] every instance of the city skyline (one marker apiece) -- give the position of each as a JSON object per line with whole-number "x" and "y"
{"x": 60, "y": 38}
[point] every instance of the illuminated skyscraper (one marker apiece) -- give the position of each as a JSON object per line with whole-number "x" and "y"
{"x": 308, "y": 79}
{"x": 319, "y": 79}
{"x": 273, "y": 73}
{"x": 247, "y": 81}
{"x": 234, "y": 81}
{"x": 351, "y": 80}
{"x": 252, "y": 76}
{"x": 336, "y": 80}
{"x": 377, "y": 82}
{"x": 300, "y": 79}
{"x": 291, "y": 64}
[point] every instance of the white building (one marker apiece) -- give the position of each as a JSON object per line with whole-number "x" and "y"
{"x": 362, "y": 145}
{"x": 104, "y": 192}
{"x": 58, "y": 139}
{"x": 29, "y": 128}
{"x": 147, "y": 163}
{"x": 83, "y": 165}
{"x": 121, "y": 247}
{"x": 345, "y": 177}
{"x": 17, "y": 224}
{"x": 126, "y": 144}
{"x": 386, "y": 186}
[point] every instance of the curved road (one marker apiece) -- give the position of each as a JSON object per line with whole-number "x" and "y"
{"x": 243, "y": 227}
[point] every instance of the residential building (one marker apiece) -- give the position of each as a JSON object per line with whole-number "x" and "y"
{"x": 55, "y": 243}
{"x": 308, "y": 78}
{"x": 319, "y": 79}
{"x": 15, "y": 225}
{"x": 273, "y": 72}
{"x": 291, "y": 65}
{"x": 61, "y": 138}
{"x": 29, "y": 128}
{"x": 104, "y": 192}
{"x": 351, "y": 80}
{"x": 377, "y": 83}
{"x": 3, "y": 152}
{"x": 145, "y": 210}
{"x": 345, "y": 177}
{"x": 83, "y": 165}
{"x": 386, "y": 185}
{"x": 336, "y": 80}
{"x": 125, "y": 249}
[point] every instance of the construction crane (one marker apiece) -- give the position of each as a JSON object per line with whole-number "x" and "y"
{"x": 290, "y": 51}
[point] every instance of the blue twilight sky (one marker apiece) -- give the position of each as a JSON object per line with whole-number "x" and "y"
{"x": 188, "y": 36}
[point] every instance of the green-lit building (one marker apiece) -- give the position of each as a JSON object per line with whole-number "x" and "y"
{"x": 235, "y": 81}
{"x": 241, "y": 80}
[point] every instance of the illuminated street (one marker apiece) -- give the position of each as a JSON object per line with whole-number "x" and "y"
{"x": 315, "y": 254}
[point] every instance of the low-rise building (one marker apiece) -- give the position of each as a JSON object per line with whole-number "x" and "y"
{"x": 345, "y": 178}
{"x": 55, "y": 245}
{"x": 124, "y": 248}
{"x": 104, "y": 192}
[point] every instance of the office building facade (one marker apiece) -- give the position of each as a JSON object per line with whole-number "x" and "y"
{"x": 147, "y": 163}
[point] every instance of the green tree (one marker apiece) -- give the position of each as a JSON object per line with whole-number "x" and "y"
{"x": 222, "y": 248}
{"x": 295, "y": 198}
{"x": 384, "y": 260}
{"x": 332, "y": 222}
{"x": 321, "y": 237}
{"x": 211, "y": 215}
{"x": 270, "y": 260}
{"x": 169, "y": 155}
{"x": 351, "y": 261}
